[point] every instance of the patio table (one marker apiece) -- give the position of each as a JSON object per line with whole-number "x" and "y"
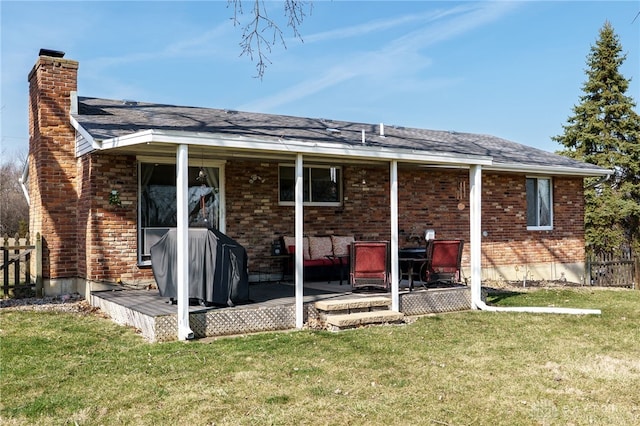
{"x": 411, "y": 260}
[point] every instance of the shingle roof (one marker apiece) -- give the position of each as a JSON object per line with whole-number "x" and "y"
{"x": 105, "y": 119}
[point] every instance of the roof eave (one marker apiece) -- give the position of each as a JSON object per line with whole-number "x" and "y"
{"x": 290, "y": 146}
{"x": 84, "y": 133}
{"x": 550, "y": 170}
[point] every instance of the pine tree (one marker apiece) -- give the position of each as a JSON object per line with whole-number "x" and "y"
{"x": 605, "y": 130}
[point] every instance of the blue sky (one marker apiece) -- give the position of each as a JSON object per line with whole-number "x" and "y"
{"x": 509, "y": 69}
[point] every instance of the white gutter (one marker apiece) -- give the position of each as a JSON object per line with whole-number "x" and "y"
{"x": 475, "y": 230}
{"x": 290, "y": 146}
{"x": 334, "y": 150}
{"x": 555, "y": 170}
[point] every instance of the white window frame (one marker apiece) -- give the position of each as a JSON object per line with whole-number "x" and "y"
{"x": 193, "y": 162}
{"x": 308, "y": 167}
{"x": 540, "y": 227}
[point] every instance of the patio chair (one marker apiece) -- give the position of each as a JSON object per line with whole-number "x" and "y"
{"x": 442, "y": 264}
{"x": 369, "y": 262}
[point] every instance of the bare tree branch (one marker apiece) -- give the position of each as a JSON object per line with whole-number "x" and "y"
{"x": 14, "y": 211}
{"x": 295, "y": 11}
{"x": 261, "y": 33}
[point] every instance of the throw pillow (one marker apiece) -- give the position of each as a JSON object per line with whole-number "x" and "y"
{"x": 341, "y": 245}
{"x": 320, "y": 247}
{"x": 291, "y": 242}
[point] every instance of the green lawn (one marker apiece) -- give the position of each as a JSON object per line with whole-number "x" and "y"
{"x": 463, "y": 368}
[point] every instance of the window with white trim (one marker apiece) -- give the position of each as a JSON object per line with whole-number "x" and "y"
{"x": 539, "y": 203}
{"x": 322, "y": 185}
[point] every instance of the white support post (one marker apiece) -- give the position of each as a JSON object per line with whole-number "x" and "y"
{"x": 475, "y": 228}
{"x": 299, "y": 231}
{"x": 182, "y": 249}
{"x": 395, "y": 278}
{"x": 222, "y": 201}
{"x": 475, "y": 233}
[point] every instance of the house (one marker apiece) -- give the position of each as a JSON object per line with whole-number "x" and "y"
{"x": 103, "y": 177}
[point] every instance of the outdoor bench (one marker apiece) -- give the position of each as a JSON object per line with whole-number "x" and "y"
{"x": 324, "y": 257}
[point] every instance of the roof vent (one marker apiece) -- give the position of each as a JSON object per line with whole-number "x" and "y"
{"x": 129, "y": 102}
{"x": 382, "y": 130}
{"x": 333, "y": 131}
{"x": 52, "y": 53}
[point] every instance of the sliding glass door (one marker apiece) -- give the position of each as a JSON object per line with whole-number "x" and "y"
{"x": 157, "y": 201}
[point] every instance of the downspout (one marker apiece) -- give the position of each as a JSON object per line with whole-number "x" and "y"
{"x": 536, "y": 309}
{"x": 23, "y": 181}
{"x": 475, "y": 231}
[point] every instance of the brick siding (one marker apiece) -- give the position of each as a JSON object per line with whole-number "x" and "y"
{"x": 52, "y": 165}
{"x": 111, "y": 233}
{"x": 508, "y": 242}
{"x": 428, "y": 199}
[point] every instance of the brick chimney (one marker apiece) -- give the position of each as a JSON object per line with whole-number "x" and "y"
{"x": 53, "y": 170}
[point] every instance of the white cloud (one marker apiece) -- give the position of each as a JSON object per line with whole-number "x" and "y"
{"x": 377, "y": 26}
{"x": 335, "y": 75}
{"x": 206, "y": 43}
{"x": 400, "y": 57}
{"x": 466, "y": 19}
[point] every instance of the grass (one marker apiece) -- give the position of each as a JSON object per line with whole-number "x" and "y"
{"x": 463, "y": 368}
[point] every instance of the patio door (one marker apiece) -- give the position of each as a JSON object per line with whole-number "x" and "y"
{"x": 157, "y": 201}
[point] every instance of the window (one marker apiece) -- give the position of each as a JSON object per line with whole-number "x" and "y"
{"x": 322, "y": 185}
{"x": 157, "y": 201}
{"x": 539, "y": 204}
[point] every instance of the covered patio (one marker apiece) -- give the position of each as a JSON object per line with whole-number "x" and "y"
{"x": 272, "y": 308}
{"x": 392, "y": 165}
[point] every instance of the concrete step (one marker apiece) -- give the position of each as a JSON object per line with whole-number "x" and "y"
{"x": 360, "y": 303}
{"x": 342, "y": 321}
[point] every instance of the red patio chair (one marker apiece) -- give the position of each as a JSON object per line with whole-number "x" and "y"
{"x": 369, "y": 264}
{"x": 442, "y": 264}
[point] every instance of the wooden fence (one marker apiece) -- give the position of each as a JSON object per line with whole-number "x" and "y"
{"x": 619, "y": 271}
{"x": 15, "y": 266}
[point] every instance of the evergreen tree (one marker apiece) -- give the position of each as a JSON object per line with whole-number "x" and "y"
{"x": 605, "y": 130}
